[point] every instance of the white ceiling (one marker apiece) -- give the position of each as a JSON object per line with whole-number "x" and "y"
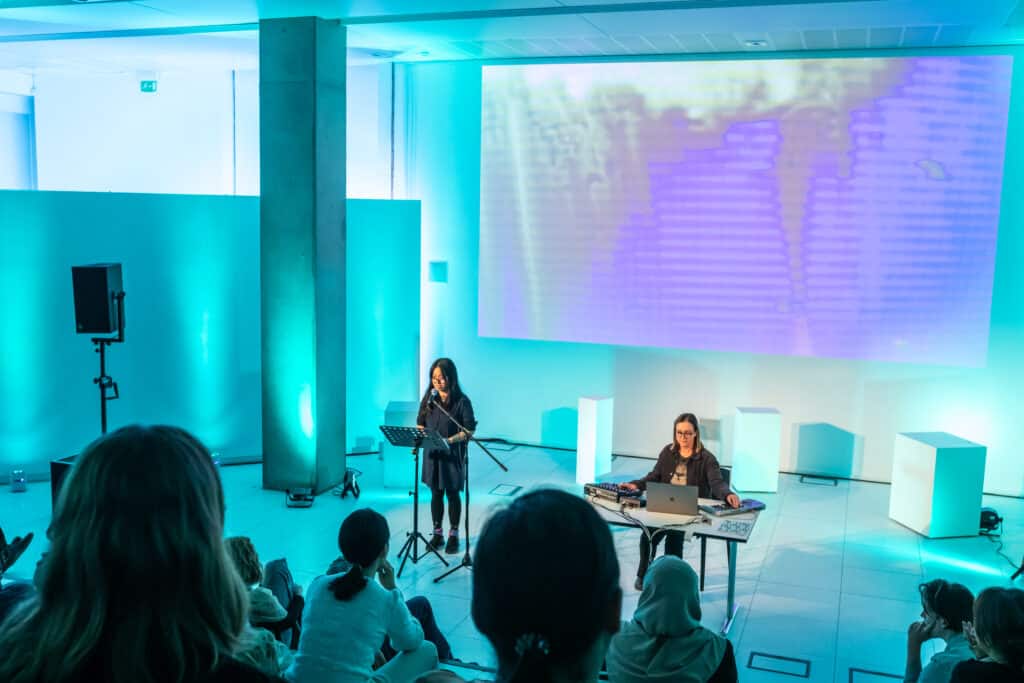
{"x": 161, "y": 35}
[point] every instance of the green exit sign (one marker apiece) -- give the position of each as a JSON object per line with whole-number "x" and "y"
{"x": 147, "y": 86}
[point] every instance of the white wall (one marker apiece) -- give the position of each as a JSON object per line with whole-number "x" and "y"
{"x": 17, "y": 171}
{"x": 102, "y": 134}
{"x": 197, "y": 134}
{"x": 527, "y": 390}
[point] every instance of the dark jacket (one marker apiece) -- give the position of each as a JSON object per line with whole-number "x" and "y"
{"x": 972, "y": 671}
{"x": 702, "y": 471}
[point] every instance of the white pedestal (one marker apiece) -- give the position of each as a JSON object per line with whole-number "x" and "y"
{"x": 937, "y": 480}
{"x": 398, "y": 460}
{"x": 594, "y": 439}
{"x": 757, "y": 440}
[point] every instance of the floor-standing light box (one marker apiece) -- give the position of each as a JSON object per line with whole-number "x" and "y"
{"x": 757, "y": 439}
{"x": 594, "y": 439}
{"x": 937, "y": 480}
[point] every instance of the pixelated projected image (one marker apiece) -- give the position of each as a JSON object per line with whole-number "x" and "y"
{"x": 830, "y": 207}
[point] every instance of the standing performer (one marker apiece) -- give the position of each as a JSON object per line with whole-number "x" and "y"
{"x": 445, "y": 473}
{"x": 684, "y": 462}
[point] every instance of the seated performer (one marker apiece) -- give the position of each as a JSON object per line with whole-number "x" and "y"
{"x": 684, "y": 462}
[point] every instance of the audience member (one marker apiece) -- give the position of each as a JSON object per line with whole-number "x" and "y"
{"x": 944, "y": 609}
{"x": 14, "y": 592}
{"x": 136, "y": 587}
{"x": 258, "y": 645}
{"x": 348, "y": 615}
{"x": 546, "y": 588}
{"x": 420, "y": 608}
{"x": 997, "y": 636}
{"x": 277, "y": 578}
{"x": 440, "y": 676}
{"x": 665, "y": 640}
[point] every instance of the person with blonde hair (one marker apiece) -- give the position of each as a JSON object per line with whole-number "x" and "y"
{"x": 258, "y": 646}
{"x": 136, "y": 587}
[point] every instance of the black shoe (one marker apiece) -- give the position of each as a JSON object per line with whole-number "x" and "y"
{"x": 452, "y": 546}
{"x": 436, "y": 541}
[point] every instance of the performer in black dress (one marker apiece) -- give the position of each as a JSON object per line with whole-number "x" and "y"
{"x": 684, "y": 462}
{"x": 445, "y": 473}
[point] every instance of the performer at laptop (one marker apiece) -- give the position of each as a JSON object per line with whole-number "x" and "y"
{"x": 684, "y": 462}
{"x": 445, "y": 472}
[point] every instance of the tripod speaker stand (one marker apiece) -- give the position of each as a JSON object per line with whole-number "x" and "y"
{"x": 415, "y": 438}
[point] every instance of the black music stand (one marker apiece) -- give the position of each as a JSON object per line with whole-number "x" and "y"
{"x": 415, "y": 438}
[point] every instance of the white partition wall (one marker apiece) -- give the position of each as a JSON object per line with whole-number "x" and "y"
{"x": 594, "y": 439}
{"x": 937, "y": 482}
{"x": 758, "y": 447}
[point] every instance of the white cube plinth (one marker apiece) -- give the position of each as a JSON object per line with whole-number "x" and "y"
{"x": 398, "y": 460}
{"x": 757, "y": 440}
{"x": 937, "y": 480}
{"x": 594, "y": 439}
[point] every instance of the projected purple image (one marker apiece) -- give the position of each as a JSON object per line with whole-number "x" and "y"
{"x": 840, "y": 208}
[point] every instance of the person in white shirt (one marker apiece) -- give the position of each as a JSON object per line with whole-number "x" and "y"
{"x": 347, "y": 616}
{"x": 945, "y": 607}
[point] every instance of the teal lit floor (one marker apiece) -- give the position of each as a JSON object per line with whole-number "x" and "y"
{"x": 826, "y": 577}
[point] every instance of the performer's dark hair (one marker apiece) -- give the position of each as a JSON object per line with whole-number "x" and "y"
{"x": 451, "y": 374}
{"x": 691, "y": 419}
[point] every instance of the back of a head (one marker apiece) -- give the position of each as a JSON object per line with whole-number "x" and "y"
{"x": 545, "y": 579}
{"x": 245, "y": 559}
{"x": 999, "y": 623}
{"x": 137, "y": 585}
{"x": 952, "y": 602}
{"x": 361, "y": 539}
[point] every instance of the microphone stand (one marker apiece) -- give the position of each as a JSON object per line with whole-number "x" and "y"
{"x": 467, "y": 560}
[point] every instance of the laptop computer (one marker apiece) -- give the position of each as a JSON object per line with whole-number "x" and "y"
{"x": 676, "y": 500}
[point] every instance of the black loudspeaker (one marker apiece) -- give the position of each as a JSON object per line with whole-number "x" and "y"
{"x": 95, "y": 305}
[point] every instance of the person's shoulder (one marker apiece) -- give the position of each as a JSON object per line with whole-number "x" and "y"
{"x": 705, "y": 453}
{"x": 982, "y": 670}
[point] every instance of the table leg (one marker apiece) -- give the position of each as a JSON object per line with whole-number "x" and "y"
{"x": 730, "y": 601}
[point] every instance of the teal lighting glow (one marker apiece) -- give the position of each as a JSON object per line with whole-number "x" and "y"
{"x": 954, "y": 563}
{"x": 306, "y": 411}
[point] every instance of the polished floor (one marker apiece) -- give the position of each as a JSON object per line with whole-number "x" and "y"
{"x": 826, "y": 586}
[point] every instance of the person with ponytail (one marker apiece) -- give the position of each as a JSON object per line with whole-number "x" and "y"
{"x": 136, "y": 586}
{"x": 348, "y": 615}
{"x": 546, "y": 589}
{"x": 997, "y": 637}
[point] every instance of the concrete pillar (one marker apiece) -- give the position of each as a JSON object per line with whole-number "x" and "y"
{"x": 302, "y": 251}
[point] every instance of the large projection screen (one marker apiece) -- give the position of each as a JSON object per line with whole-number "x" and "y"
{"x": 811, "y": 207}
